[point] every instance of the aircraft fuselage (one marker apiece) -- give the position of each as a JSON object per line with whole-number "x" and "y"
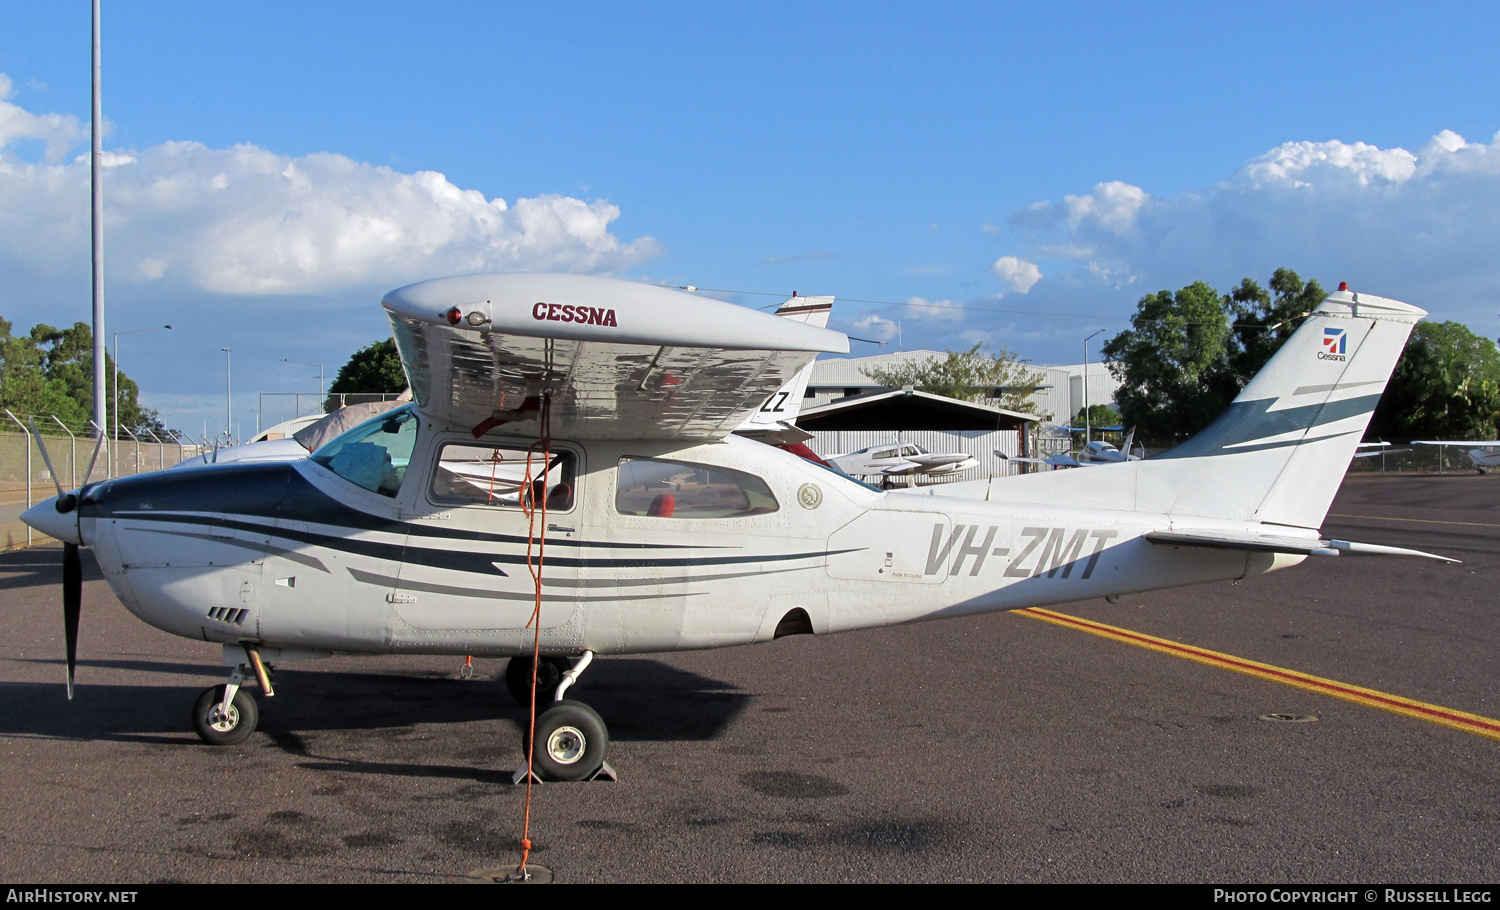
{"x": 294, "y": 556}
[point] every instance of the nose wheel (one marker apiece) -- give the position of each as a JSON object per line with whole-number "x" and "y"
{"x": 226, "y": 715}
{"x": 225, "y": 723}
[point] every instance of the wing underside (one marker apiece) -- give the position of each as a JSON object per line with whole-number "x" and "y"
{"x": 599, "y": 389}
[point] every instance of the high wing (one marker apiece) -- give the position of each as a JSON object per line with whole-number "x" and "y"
{"x": 1056, "y": 459}
{"x": 621, "y": 360}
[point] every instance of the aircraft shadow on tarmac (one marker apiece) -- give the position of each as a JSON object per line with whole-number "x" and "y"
{"x": 644, "y": 700}
{"x": 39, "y": 567}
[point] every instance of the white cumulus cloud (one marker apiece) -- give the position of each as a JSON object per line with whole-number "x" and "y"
{"x": 876, "y": 328}
{"x": 1112, "y": 205}
{"x": 940, "y": 310}
{"x": 57, "y": 132}
{"x": 249, "y": 221}
{"x": 1017, "y": 274}
{"x": 1416, "y": 225}
{"x": 1308, "y": 164}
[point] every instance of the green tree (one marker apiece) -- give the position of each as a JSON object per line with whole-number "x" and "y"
{"x": 68, "y": 357}
{"x": 50, "y": 371}
{"x": 1446, "y": 386}
{"x": 1188, "y": 354}
{"x": 1262, "y": 323}
{"x": 25, "y": 388}
{"x": 373, "y": 368}
{"x": 1173, "y": 362}
{"x": 1100, "y": 415}
{"x": 968, "y": 376}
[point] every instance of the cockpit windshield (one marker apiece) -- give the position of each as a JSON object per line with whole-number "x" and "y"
{"x": 375, "y": 454}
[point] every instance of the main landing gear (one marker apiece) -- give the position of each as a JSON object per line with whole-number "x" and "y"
{"x": 572, "y": 741}
{"x": 226, "y": 715}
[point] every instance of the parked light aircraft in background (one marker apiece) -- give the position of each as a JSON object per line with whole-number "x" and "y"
{"x": 898, "y": 459}
{"x": 646, "y": 525}
{"x": 1484, "y": 455}
{"x": 1093, "y": 453}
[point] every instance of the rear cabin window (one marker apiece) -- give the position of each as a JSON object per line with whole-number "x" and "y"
{"x": 497, "y": 476}
{"x": 677, "y": 489}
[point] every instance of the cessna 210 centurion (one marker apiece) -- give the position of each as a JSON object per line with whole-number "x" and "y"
{"x": 644, "y": 525}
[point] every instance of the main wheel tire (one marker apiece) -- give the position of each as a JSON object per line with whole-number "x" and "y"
{"x": 548, "y": 676}
{"x": 571, "y": 741}
{"x": 219, "y": 728}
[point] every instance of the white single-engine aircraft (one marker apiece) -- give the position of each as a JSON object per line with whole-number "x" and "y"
{"x": 1092, "y": 454}
{"x": 1484, "y": 455}
{"x": 651, "y": 528}
{"x": 896, "y": 459}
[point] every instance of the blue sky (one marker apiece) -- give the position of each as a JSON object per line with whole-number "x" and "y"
{"x": 1033, "y": 168}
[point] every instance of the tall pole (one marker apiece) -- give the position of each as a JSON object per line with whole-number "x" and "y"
{"x": 320, "y": 373}
{"x": 101, "y": 403}
{"x": 228, "y": 396}
{"x": 1087, "y": 427}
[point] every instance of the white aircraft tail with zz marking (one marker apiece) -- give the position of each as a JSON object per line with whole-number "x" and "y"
{"x": 776, "y": 420}
{"x": 1276, "y": 456}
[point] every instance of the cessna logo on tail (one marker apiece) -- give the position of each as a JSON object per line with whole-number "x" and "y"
{"x": 567, "y": 312}
{"x": 1333, "y": 344}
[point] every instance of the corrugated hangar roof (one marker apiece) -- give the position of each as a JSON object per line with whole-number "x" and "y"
{"x": 899, "y": 409}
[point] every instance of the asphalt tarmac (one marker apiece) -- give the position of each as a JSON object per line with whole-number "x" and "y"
{"x": 999, "y": 748}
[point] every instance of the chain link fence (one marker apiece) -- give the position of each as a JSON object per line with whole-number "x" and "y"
{"x": 25, "y": 480}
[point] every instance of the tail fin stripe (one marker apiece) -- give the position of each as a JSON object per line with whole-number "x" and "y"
{"x": 1334, "y": 387}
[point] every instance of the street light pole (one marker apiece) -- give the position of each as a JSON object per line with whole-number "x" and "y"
{"x": 320, "y": 373}
{"x": 1087, "y": 428}
{"x": 96, "y": 191}
{"x": 113, "y": 465}
{"x": 228, "y": 397}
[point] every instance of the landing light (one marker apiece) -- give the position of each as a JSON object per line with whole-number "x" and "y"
{"x": 477, "y": 318}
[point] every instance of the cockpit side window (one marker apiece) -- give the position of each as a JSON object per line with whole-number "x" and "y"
{"x": 677, "y": 489}
{"x": 375, "y": 454}
{"x": 497, "y": 476}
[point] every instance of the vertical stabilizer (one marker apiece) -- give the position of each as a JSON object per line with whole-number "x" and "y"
{"x": 1279, "y": 452}
{"x": 1276, "y": 455}
{"x": 778, "y": 414}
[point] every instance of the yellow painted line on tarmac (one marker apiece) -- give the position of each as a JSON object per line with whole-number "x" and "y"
{"x": 1448, "y": 717}
{"x": 1424, "y": 521}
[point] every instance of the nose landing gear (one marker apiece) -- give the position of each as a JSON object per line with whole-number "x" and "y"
{"x": 226, "y": 715}
{"x": 221, "y": 721}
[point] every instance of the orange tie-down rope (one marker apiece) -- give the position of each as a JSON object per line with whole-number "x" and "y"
{"x": 544, "y": 443}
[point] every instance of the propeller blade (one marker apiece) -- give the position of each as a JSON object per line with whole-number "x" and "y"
{"x": 87, "y": 475}
{"x": 72, "y": 605}
{"x": 46, "y": 458}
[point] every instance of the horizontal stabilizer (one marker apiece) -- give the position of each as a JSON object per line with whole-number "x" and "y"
{"x": 1266, "y": 543}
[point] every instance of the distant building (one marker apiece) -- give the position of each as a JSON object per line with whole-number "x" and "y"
{"x": 1058, "y": 399}
{"x": 942, "y": 425}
